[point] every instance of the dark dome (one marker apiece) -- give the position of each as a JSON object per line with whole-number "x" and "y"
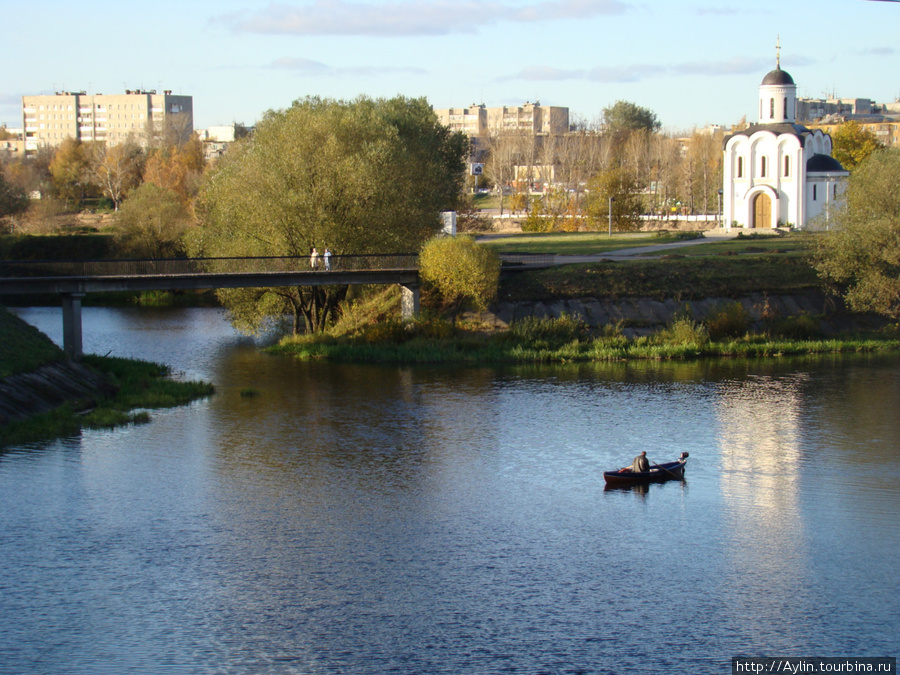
{"x": 823, "y": 164}
{"x": 778, "y": 76}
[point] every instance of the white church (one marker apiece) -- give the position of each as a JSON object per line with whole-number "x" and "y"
{"x": 779, "y": 173}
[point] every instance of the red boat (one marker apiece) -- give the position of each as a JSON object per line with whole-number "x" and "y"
{"x": 657, "y": 473}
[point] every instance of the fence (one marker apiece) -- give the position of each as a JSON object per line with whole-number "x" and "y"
{"x": 199, "y": 266}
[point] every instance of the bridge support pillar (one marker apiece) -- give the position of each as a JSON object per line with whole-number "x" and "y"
{"x": 71, "y": 306}
{"x": 409, "y": 301}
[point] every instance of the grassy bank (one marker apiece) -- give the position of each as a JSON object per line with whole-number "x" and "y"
{"x": 140, "y": 386}
{"x": 562, "y": 340}
{"x": 23, "y": 347}
{"x": 672, "y": 276}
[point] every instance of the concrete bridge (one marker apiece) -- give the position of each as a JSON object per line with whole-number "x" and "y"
{"x": 71, "y": 280}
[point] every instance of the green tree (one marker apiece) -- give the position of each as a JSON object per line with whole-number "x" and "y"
{"x": 461, "y": 271}
{"x": 852, "y": 143}
{"x": 152, "y": 223}
{"x": 861, "y": 254}
{"x": 624, "y": 116}
{"x": 625, "y": 191}
{"x": 365, "y": 176}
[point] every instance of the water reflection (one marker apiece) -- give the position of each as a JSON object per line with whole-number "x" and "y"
{"x": 373, "y": 519}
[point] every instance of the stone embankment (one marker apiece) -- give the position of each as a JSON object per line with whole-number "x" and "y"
{"x": 642, "y": 316}
{"x": 47, "y": 388}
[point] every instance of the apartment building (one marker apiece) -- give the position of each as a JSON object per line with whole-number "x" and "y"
{"x": 534, "y": 118}
{"x": 48, "y": 120}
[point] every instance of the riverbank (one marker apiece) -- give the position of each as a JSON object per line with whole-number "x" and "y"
{"x": 43, "y": 395}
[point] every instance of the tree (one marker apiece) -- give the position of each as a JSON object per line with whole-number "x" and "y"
{"x": 461, "y": 271}
{"x": 176, "y": 168}
{"x": 71, "y": 171}
{"x": 624, "y": 116}
{"x": 861, "y": 254}
{"x": 852, "y": 143}
{"x": 364, "y": 176}
{"x": 152, "y": 223}
{"x": 116, "y": 169}
{"x": 13, "y": 199}
{"x": 619, "y": 184}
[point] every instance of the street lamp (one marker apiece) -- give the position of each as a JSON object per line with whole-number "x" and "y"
{"x": 610, "y": 215}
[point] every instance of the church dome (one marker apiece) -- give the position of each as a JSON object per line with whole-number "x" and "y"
{"x": 777, "y": 77}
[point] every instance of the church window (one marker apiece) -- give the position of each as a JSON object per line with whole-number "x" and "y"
{"x": 740, "y": 167}
{"x": 772, "y": 108}
{"x": 835, "y": 190}
{"x": 762, "y": 168}
{"x": 787, "y": 166}
{"x": 815, "y": 192}
{"x": 786, "y": 108}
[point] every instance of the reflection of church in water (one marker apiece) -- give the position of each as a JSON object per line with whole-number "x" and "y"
{"x": 778, "y": 173}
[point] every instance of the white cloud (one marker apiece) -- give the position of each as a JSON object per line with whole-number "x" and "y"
{"x": 547, "y": 73}
{"x": 410, "y": 17}
{"x": 310, "y": 68}
{"x": 638, "y": 72}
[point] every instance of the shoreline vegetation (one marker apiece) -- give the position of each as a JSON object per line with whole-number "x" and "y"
{"x": 131, "y": 388}
{"x": 562, "y": 340}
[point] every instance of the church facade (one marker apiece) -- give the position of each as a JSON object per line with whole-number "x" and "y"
{"x": 778, "y": 173}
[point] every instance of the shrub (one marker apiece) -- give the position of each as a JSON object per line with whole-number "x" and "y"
{"x": 548, "y": 332}
{"x": 801, "y": 327}
{"x": 729, "y": 320}
{"x": 683, "y": 331}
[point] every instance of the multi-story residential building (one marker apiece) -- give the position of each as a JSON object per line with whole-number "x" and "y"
{"x": 50, "y": 119}
{"x": 809, "y": 109}
{"x": 531, "y": 118}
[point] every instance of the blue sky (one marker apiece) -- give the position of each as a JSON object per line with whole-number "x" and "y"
{"x": 692, "y": 63}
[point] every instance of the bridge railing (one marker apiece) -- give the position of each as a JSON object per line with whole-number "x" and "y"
{"x": 14, "y": 269}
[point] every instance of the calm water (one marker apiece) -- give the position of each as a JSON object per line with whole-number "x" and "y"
{"x": 365, "y": 519}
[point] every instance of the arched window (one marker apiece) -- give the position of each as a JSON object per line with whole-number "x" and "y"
{"x": 740, "y": 167}
{"x": 762, "y": 168}
{"x": 787, "y": 166}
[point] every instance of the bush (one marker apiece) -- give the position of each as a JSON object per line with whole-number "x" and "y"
{"x": 728, "y": 321}
{"x": 548, "y": 332}
{"x": 801, "y": 327}
{"x": 461, "y": 271}
{"x": 683, "y": 331}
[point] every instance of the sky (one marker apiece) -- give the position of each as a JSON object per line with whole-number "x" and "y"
{"x": 693, "y": 63}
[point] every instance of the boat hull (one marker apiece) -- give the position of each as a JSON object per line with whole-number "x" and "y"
{"x": 656, "y": 474}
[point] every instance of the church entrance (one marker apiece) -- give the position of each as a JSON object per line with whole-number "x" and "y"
{"x": 762, "y": 211}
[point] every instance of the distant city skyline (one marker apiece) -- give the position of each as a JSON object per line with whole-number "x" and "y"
{"x": 692, "y": 63}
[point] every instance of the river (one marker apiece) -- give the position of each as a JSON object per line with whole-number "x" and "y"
{"x": 378, "y": 519}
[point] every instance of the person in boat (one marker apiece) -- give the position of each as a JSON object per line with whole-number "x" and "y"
{"x": 641, "y": 463}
